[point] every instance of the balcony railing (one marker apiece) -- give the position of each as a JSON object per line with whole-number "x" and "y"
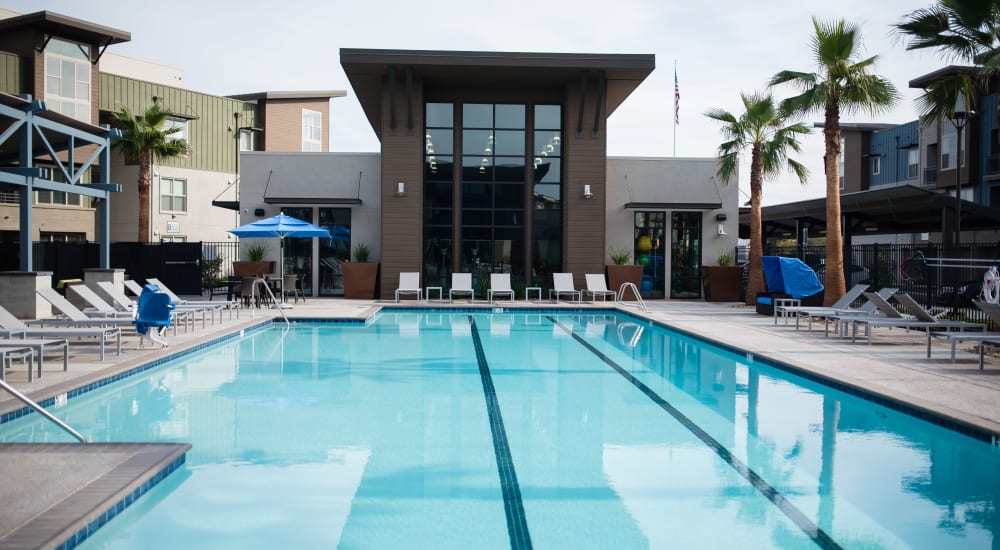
{"x": 930, "y": 175}
{"x": 993, "y": 164}
{"x": 9, "y": 197}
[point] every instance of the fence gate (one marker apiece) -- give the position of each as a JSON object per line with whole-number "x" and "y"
{"x": 181, "y": 267}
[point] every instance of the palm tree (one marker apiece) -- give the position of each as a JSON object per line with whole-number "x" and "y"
{"x": 846, "y": 84}
{"x": 765, "y": 131}
{"x": 143, "y": 141}
{"x": 966, "y": 31}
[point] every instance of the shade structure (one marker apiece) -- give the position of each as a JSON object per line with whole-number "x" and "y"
{"x": 280, "y": 226}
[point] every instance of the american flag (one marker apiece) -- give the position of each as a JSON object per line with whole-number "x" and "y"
{"x": 677, "y": 100}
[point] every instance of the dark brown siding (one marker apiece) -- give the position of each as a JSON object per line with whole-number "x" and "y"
{"x": 585, "y": 156}
{"x": 402, "y": 149}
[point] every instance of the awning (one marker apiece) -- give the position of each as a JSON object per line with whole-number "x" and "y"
{"x": 284, "y": 188}
{"x": 675, "y": 195}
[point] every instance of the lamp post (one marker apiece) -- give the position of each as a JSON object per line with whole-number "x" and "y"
{"x": 960, "y": 118}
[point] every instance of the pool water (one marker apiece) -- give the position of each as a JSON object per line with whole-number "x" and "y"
{"x": 517, "y": 430}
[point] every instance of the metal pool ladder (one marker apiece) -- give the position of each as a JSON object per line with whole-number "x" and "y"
{"x": 632, "y": 287}
{"x": 38, "y": 409}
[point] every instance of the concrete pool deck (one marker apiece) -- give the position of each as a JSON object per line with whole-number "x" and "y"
{"x": 93, "y": 476}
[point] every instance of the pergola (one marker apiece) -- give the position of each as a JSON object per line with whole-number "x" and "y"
{"x": 30, "y": 134}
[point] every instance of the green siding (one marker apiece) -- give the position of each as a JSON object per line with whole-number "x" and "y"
{"x": 213, "y": 144}
{"x": 13, "y": 74}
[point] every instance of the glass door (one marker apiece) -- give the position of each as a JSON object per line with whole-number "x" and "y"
{"x": 685, "y": 255}
{"x": 650, "y": 251}
{"x": 334, "y": 251}
{"x": 298, "y": 252}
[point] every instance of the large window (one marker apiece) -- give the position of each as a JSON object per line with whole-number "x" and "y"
{"x": 912, "y": 163}
{"x": 650, "y": 245}
{"x": 546, "y": 170}
{"x": 67, "y": 78}
{"x": 439, "y": 192}
{"x": 180, "y": 124}
{"x": 173, "y": 195}
{"x": 312, "y": 131}
{"x": 949, "y": 139}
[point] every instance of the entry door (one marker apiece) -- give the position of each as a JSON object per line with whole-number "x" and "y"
{"x": 685, "y": 255}
{"x": 650, "y": 250}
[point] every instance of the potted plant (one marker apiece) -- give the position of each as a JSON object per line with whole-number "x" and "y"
{"x": 255, "y": 265}
{"x": 360, "y": 275}
{"x": 722, "y": 282}
{"x": 622, "y": 271}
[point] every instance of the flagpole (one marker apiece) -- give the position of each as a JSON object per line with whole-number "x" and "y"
{"x": 676, "y": 105}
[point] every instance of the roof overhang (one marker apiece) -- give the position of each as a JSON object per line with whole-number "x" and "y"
{"x": 926, "y": 80}
{"x": 366, "y": 69}
{"x": 883, "y": 210}
{"x": 323, "y": 94}
{"x": 64, "y": 26}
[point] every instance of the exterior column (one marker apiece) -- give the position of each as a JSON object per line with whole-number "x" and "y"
{"x": 18, "y": 296}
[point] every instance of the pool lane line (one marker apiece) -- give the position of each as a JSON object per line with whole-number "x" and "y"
{"x": 813, "y": 531}
{"x": 517, "y": 524}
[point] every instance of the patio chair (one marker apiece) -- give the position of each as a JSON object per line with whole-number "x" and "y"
{"x": 12, "y": 326}
{"x": 409, "y": 283}
{"x": 833, "y": 312}
{"x": 290, "y": 284}
{"x": 461, "y": 283}
{"x": 562, "y": 283}
{"x": 597, "y": 287}
{"x": 843, "y": 303}
{"x": 981, "y": 337}
{"x": 500, "y": 285}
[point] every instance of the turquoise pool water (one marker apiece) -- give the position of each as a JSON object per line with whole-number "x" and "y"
{"x": 515, "y": 430}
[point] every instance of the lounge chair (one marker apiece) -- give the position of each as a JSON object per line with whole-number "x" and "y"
{"x": 919, "y": 318}
{"x": 101, "y": 308}
{"x": 39, "y": 347}
{"x": 991, "y": 310}
{"x": 7, "y": 356}
{"x": 461, "y": 283}
{"x": 409, "y": 283}
{"x": 829, "y": 313}
{"x": 562, "y": 283}
{"x": 500, "y": 285}
{"x": 199, "y": 305}
{"x": 12, "y": 326}
{"x": 122, "y": 302}
{"x": 843, "y": 303}
{"x": 597, "y": 287}
{"x": 71, "y": 315}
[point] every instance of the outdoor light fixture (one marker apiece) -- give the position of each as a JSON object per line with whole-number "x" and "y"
{"x": 721, "y": 230}
{"x": 586, "y": 191}
{"x": 401, "y": 189}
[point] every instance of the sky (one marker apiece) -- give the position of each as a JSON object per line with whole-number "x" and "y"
{"x": 721, "y": 49}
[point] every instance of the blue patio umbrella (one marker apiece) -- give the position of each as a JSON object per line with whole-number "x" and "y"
{"x": 280, "y": 226}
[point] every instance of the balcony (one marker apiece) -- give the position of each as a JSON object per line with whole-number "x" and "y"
{"x": 930, "y": 175}
{"x": 993, "y": 164}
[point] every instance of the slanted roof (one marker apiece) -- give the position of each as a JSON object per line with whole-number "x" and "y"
{"x": 951, "y": 70}
{"x": 66, "y": 27}
{"x": 366, "y": 68}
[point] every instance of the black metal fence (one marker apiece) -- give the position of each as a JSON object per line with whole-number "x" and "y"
{"x": 936, "y": 277}
{"x": 187, "y": 268}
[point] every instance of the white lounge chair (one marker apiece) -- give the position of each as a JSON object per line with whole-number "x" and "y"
{"x": 39, "y": 347}
{"x": 981, "y": 337}
{"x": 461, "y": 283}
{"x": 101, "y": 308}
{"x": 919, "y": 318}
{"x": 562, "y": 283}
{"x": 202, "y": 305}
{"x": 409, "y": 283}
{"x": 12, "y": 326}
{"x": 122, "y": 302}
{"x": 500, "y": 285}
{"x": 597, "y": 287}
{"x": 7, "y": 356}
{"x": 840, "y": 305}
{"x": 72, "y": 316}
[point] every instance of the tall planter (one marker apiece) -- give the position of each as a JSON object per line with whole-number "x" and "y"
{"x": 253, "y": 269}
{"x": 621, "y": 274}
{"x": 722, "y": 283}
{"x": 359, "y": 279}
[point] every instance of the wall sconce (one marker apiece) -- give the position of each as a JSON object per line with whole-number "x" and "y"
{"x": 721, "y": 216}
{"x": 586, "y": 191}
{"x": 721, "y": 230}
{"x": 401, "y": 189}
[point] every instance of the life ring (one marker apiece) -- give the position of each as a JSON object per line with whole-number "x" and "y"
{"x": 991, "y": 285}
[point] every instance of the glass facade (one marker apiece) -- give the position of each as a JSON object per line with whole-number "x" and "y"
{"x": 650, "y": 252}
{"x": 333, "y": 251}
{"x": 492, "y": 145}
{"x": 685, "y": 255}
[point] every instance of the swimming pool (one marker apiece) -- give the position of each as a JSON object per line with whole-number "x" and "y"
{"x": 517, "y": 430}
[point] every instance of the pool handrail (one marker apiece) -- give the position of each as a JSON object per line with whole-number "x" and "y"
{"x": 38, "y": 409}
{"x": 630, "y": 286}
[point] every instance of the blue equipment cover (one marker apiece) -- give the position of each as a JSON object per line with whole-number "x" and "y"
{"x": 790, "y": 276}
{"x": 154, "y": 309}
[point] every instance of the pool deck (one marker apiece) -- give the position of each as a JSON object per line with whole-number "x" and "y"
{"x": 56, "y": 488}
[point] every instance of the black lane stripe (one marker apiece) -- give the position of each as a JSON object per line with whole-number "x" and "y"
{"x": 819, "y": 536}
{"x": 517, "y": 524}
